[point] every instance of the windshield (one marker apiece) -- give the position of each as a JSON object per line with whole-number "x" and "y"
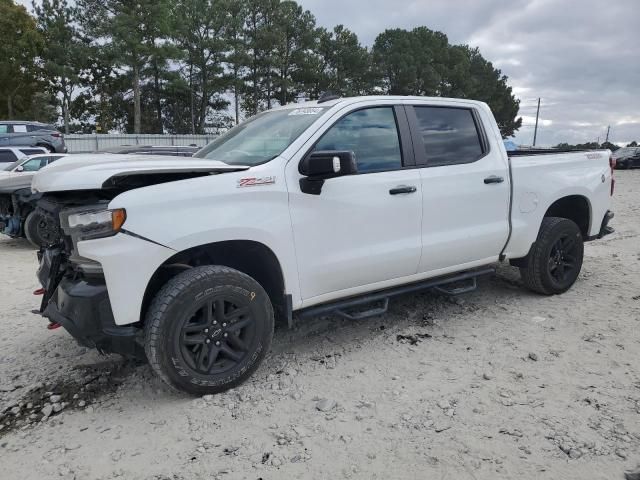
{"x": 261, "y": 138}
{"x": 10, "y": 166}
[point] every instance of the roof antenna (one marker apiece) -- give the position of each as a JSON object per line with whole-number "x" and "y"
{"x": 327, "y": 97}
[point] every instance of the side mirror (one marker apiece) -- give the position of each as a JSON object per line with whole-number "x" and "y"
{"x": 19, "y": 168}
{"x": 322, "y": 165}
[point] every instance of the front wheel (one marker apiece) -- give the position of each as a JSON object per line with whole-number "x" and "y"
{"x": 39, "y": 231}
{"x": 555, "y": 260}
{"x": 208, "y": 329}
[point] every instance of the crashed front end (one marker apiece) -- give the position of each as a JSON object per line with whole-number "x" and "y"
{"x": 75, "y": 294}
{"x": 95, "y": 273}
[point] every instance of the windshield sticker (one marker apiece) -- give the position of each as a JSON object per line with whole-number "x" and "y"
{"x": 256, "y": 181}
{"x": 305, "y": 111}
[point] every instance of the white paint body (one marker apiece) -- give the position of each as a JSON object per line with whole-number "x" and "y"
{"x": 353, "y": 237}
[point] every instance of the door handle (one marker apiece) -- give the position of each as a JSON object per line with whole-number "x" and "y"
{"x": 402, "y": 189}
{"x": 493, "y": 179}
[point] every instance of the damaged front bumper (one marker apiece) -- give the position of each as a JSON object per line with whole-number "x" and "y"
{"x": 81, "y": 305}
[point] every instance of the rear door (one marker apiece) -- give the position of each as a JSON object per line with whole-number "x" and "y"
{"x": 465, "y": 185}
{"x": 20, "y": 135}
{"x": 361, "y": 229}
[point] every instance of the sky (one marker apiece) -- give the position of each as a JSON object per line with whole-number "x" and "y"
{"x": 581, "y": 57}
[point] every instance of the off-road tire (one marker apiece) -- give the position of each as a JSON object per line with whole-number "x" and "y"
{"x": 536, "y": 275}
{"x": 165, "y": 320}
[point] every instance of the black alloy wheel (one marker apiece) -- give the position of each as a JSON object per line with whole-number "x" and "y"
{"x": 563, "y": 258}
{"x": 216, "y": 335}
{"x": 555, "y": 259}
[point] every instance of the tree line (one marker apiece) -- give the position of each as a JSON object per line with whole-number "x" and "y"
{"x": 593, "y": 146}
{"x": 195, "y": 66}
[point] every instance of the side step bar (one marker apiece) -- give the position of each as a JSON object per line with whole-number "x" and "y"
{"x": 439, "y": 284}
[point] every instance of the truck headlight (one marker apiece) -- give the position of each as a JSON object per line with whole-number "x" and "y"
{"x": 87, "y": 224}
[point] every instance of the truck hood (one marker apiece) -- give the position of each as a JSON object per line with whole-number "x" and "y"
{"x": 98, "y": 171}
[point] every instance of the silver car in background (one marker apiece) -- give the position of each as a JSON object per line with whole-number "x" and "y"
{"x": 31, "y": 134}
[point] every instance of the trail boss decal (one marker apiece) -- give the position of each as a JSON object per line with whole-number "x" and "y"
{"x": 256, "y": 181}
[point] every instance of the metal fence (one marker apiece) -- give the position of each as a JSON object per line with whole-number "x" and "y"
{"x": 93, "y": 142}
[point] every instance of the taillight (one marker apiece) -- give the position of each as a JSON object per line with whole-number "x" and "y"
{"x": 56, "y": 135}
{"x": 612, "y": 165}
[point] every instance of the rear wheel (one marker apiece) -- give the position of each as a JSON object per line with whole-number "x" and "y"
{"x": 49, "y": 148}
{"x": 555, "y": 260}
{"x": 208, "y": 329}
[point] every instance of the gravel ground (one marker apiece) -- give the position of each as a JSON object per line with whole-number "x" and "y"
{"x": 500, "y": 383}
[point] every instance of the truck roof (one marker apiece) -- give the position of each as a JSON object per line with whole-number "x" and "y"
{"x": 351, "y": 100}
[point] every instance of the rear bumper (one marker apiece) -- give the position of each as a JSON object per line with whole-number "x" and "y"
{"x": 82, "y": 307}
{"x": 605, "y": 229}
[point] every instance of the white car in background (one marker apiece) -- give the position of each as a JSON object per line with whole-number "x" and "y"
{"x": 10, "y": 155}
{"x": 31, "y": 164}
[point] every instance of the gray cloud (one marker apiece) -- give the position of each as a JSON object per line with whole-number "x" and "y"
{"x": 580, "y": 56}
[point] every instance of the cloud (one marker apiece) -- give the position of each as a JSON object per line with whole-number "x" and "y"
{"x": 579, "y": 56}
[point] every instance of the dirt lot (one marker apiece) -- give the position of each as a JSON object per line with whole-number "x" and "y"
{"x": 500, "y": 383}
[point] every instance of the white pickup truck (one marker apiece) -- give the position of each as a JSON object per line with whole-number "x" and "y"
{"x": 333, "y": 205}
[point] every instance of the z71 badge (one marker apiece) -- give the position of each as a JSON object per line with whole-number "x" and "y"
{"x": 256, "y": 181}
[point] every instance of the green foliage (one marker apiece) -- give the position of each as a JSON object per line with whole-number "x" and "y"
{"x": 132, "y": 33}
{"x": 20, "y": 46}
{"x": 342, "y": 65}
{"x": 199, "y": 29}
{"x": 588, "y": 146}
{"x": 422, "y": 62}
{"x": 63, "y": 52}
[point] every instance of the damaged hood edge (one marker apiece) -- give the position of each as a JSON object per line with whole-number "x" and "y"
{"x": 92, "y": 171}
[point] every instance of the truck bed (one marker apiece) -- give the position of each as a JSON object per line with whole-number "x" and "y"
{"x": 546, "y": 151}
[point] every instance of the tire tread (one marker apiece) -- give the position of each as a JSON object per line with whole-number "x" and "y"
{"x": 532, "y": 275}
{"x": 162, "y": 302}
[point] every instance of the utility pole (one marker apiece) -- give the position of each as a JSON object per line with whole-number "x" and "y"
{"x": 535, "y": 132}
{"x": 607, "y": 139}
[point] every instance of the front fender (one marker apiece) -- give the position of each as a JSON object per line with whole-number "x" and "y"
{"x": 128, "y": 264}
{"x": 200, "y": 211}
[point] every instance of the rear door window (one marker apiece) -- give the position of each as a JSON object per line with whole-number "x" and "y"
{"x": 19, "y": 128}
{"x": 449, "y": 136}
{"x": 7, "y": 156}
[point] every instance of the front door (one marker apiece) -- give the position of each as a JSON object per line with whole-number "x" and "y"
{"x": 365, "y": 228}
